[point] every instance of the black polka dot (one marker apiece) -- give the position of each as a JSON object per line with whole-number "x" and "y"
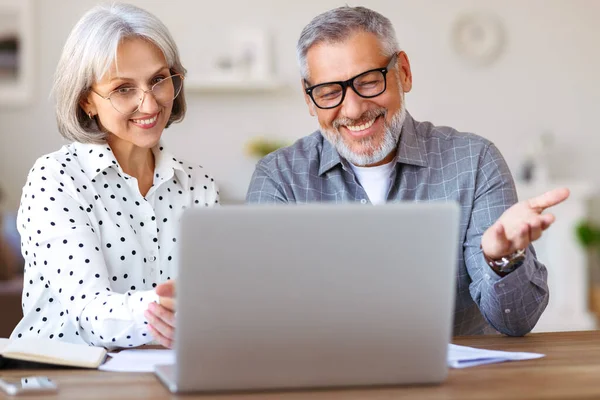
{"x": 99, "y": 199}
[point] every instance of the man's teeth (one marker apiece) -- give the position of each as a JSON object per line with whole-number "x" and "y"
{"x": 146, "y": 121}
{"x": 358, "y": 128}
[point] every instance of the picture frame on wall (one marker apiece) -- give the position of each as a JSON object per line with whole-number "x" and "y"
{"x": 16, "y": 52}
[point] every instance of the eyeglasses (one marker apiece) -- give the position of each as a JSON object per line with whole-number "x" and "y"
{"x": 128, "y": 99}
{"x": 369, "y": 84}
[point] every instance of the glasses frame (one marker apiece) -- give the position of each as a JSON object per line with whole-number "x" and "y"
{"x": 107, "y": 97}
{"x": 350, "y": 83}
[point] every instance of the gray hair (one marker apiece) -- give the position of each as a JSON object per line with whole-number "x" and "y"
{"x": 88, "y": 54}
{"x": 337, "y": 25}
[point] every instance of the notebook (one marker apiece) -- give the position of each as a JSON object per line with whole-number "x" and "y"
{"x": 53, "y": 352}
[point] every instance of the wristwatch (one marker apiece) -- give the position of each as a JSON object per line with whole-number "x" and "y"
{"x": 508, "y": 263}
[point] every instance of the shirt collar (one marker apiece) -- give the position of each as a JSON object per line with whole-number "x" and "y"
{"x": 166, "y": 165}
{"x": 96, "y": 158}
{"x": 411, "y": 149}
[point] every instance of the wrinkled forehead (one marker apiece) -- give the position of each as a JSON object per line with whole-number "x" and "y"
{"x": 341, "y": 60}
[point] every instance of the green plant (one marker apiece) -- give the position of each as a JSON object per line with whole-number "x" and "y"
{"x": 588, "y": 234}
{"x": 261, "y": 146}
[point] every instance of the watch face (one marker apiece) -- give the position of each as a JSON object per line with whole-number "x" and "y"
{"x": 513, "y": 264}
{"x": 507, "y": 264}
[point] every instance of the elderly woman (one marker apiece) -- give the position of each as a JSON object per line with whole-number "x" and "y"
{"x": 99, "y": 217}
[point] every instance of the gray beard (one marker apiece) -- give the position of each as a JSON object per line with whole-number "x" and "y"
{"x": 372, "y": 154}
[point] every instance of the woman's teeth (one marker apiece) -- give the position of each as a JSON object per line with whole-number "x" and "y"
{"x": 358, "y": 128}
{"x": 146, "y": 121}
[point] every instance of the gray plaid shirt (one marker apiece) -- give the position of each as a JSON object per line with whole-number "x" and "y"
{"x": 433, "y": 163}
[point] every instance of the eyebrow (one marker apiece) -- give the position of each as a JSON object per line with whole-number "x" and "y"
{"x": 355, "y": 76}
{"x": 121, "y": 78}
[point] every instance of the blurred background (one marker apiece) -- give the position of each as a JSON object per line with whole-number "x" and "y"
{"x": 522, "y": 73}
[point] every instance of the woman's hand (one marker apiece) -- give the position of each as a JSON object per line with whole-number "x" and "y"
{"x": 161, "y": 316}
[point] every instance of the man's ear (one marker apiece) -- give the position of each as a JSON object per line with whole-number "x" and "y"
{"x": 312, "y": 110}
{"x": 405, "y": 72}
{"x": 309, "y": 103}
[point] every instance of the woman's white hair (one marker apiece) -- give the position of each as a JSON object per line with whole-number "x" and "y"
{"x": 337, "y": 25}
{"x": 88, "y": 54}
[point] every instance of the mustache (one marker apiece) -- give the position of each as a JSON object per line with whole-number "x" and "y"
{"x": 365, "y": 117}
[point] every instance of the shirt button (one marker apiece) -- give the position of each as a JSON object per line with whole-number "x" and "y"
{"x": 152, "y": 258}
{"x": 501, "y": 285}
{"x": 363, "y": 201}
{"x": 507, "y": 311}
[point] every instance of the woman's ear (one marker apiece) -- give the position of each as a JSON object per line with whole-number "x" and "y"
{"x": 87, "y": 104}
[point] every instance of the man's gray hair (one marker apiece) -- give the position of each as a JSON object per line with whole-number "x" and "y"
{"x": 337, "y": 25}
{"x": 88, "y": 54}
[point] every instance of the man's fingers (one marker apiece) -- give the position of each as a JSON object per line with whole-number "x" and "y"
{"x": 521, "y": 238}
{"x": 547, "y": 220}
{"x": 549, "y": 199}
{"x": 535, "y": 229}
{"x": 497, "y": 244}
{"x": 498, "y": 231}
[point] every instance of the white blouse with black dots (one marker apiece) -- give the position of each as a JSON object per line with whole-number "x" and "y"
{"x": 95, "y": 248}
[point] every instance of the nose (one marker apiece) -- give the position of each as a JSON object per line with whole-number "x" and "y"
{"x": 353, "y": 106}
{"x": 149, "y": 104}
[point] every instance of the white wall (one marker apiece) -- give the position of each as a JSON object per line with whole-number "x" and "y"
{"x": 547, "y": 79}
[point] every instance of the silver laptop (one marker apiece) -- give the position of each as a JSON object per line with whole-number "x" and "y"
{"x": 320, "y": 295}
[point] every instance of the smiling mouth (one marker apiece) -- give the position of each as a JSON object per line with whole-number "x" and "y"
{"x": 362, "y": 127}
{"x": 145, "y": 121}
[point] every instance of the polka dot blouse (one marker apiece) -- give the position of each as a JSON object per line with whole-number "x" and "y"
{"x": 95, "y": 248}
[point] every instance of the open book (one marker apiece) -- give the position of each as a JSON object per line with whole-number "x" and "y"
{"x": 52, "y": 352}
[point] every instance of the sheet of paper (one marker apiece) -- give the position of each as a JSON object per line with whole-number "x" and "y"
{"x": 463, "y": 357}
{"x": 137, "y": 360}
{"x": 141, "y": 360}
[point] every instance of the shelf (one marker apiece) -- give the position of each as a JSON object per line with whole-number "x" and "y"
{"x": 228, "y": 85}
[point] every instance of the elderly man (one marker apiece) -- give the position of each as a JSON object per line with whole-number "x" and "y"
{"x": 370, "y": 149}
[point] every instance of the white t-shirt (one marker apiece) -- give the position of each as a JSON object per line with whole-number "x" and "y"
{"x": 95, "y": 248}
{"x": 375, "y": 180}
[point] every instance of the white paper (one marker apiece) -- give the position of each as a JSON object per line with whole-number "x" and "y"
{"x": 138, "y": 360}
{"x": 463, "y": 357}
{"x": 141, "y": 360}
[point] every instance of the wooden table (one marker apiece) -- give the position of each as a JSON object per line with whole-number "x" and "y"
{"x": 570, "y": 370}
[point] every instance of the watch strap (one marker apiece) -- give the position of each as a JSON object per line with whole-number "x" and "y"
{"x": 507, "y": 263}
